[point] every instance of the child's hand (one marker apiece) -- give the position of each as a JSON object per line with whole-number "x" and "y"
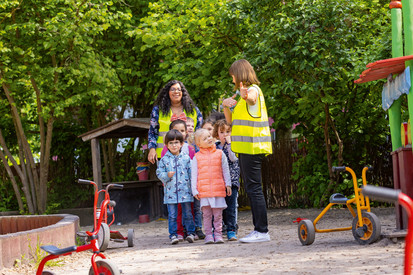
{"x": 171, "y": 174}
{"x": 229, "y": 191}
{"x": 228, "y": 139}
{"x": 196, "y": 197}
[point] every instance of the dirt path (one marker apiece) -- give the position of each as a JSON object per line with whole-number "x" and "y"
{"x": 331, "y": 253}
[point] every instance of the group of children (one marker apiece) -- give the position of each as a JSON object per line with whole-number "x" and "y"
{"x": 200, "y": 175}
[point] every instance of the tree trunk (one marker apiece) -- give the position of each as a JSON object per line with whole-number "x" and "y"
{"x": 24, "y": 151}
{"x": 9, "y": 171}
{"x": 327, "y": 141}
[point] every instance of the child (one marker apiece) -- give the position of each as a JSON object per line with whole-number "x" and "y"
{"x": 222, "y": 132}
{"x": 208, "y": 124}
{"x": 181, "y": 126}
{"x": 197, "y": 208}
{"x": 174, "y": 170}
{"x": 211, "y": 182}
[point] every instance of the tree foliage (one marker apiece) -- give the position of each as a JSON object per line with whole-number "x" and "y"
{"x": 80, "y": 64}
{"x": 48, "y": 67}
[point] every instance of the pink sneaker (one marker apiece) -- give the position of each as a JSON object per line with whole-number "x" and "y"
{"x": 180, "y": 238}
{"x": 219, "y": 239}
{"x": 209, "y": 239}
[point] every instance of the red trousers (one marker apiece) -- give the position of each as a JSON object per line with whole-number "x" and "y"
{"x": 180, "y": 230}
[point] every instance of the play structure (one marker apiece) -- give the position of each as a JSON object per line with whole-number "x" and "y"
{"x": 386, "y": 194}
{"x": 398, "y": 72}
{"x": 366, "y": 226}
{"x": 102, "y": 266}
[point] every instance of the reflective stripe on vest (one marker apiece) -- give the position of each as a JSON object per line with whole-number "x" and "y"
{"x": 251, "y": 135}
{"x": 164, "y": 122}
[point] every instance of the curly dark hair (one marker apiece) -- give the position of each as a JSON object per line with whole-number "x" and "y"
{"x": 164, "y": 102}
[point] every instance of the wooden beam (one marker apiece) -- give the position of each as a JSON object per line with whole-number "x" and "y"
{"x": 96, "y": 163}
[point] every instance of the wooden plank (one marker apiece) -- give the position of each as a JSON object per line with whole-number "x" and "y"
{"x": 131, "y": 125}
{"x": 96, "y": 163}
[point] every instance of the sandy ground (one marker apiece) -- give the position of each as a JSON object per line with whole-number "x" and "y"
{"x": 331, "y": 253}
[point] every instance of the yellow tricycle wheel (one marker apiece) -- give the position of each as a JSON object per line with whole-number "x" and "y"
{"x": 306, "y": 232}
{"x": 370, "y": 231}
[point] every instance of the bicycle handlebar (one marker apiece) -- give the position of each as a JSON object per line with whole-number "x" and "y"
{"x": 339, "y": 168}
{"x": 114, "y": 186}
{"x": 84, "y": 181}
{"x": 381, "y": 193}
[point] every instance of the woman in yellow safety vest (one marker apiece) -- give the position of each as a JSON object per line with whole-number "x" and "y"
{"x": 173, "y": 102}
{"x": 251, "y": 139}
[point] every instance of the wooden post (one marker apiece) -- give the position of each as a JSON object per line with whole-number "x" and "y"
{"x": 96, "y": 163}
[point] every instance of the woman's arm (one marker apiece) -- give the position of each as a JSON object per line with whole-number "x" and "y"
{"x": 153, "y": 134}
{"x": 199, "y": 119}
{"x": 228, "y": 103}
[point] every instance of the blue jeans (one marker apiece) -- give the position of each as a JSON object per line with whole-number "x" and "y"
{"x": 230, "y": 213}
{"x": 197, "y": 213}
{"x": 187, "y": 218}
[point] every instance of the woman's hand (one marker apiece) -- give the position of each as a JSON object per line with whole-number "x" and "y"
{"x": 196, "y": 197}
{"x": 229, "y": 102}
{"x": 243, "y": 91}
{"x": 152, "y": 155}
{"x": 171, "y": 174}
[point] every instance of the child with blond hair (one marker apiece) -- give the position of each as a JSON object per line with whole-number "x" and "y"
{"x": 211, "y": 183}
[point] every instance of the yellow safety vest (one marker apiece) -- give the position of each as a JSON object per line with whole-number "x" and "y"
{"x": 251, "y": 134}
{"x": 164, "y": 122}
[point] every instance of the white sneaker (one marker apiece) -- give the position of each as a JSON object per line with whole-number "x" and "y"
{"x": 255, "y": 237}
{"x": 174, "y": 240}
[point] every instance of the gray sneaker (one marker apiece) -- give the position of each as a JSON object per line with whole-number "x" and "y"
{"x": 256, "y": 237}
{"x": 174, "y": 240}
{"x": 190, "y": 238}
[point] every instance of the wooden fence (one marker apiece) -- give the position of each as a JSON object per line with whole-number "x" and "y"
{"x": 277, "y": 171}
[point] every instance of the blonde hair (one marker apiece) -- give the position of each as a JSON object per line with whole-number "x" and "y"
{"x": 198, "y": 134}
{"x": 189, "y": 119}
{"x": 220, "y": 125}
{"x": 243, "y": 72}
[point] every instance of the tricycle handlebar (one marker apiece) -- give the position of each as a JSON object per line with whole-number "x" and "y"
{"x": 84, "y": 181}
{"x": 381, "y": 193}
{"x": 339, "y": 168}
{"x": 114, "y": 186}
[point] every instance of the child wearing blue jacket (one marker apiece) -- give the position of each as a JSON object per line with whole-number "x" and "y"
{"x": 174, "y": 170}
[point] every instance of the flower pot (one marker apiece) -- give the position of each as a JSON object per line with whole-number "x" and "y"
{"x": 142, "y": 169}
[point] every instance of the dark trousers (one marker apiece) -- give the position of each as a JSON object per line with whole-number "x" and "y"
{"x": 250, "y": 166}
{"x": 229, "y": 214}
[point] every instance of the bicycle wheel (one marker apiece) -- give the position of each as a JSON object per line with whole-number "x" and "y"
{"x": 105, "y": 267}
{"x": 370, "y": 231}
{"x": 130, "y": 237}
{"x": 306, "y": 232}
{"x": 103, "y": 237}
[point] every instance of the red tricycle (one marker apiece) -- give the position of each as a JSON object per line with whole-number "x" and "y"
{"x": 102, "y": 266}
{"x": 391, "y": 195}
{"x": 105, "y": 234}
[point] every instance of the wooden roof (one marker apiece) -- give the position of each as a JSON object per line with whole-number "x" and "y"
{"x": 382, "y": 68}
{"x": 123, "y": 128}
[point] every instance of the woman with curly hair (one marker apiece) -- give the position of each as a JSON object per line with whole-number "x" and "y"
{"x": 173, "y": 102}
